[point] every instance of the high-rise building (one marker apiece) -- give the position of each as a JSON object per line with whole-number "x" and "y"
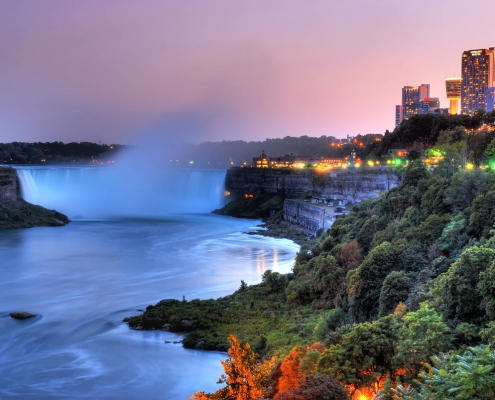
{"x": 490, "y": 98}
{"x": 453, "y": 86}
{"x": 412, "y": 95}
{"x": 478, "y": 74}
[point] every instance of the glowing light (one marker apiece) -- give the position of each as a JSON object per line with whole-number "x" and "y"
{"x": 370, "y": 163}
{"x": 469, "y": 166}
{"x": 191, "y": 162}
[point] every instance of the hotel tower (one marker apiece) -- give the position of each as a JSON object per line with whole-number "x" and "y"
{"x": 478, "y": 74}
{"x": 453, "y": 86}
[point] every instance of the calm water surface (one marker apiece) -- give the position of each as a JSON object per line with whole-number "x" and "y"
{"x": 84, "y": 278}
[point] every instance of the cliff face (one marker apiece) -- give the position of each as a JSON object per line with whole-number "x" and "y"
{"x": 16, "y": 213}
{"x": 352, "y": 185}
{"x": 9, "y": 189}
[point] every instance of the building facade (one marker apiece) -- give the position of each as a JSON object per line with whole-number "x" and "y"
{"x": 453, "y": 86}
{"x": 490, "y": 98}
{"x": 478, "y": 74}
{"x": 412, "y": 95}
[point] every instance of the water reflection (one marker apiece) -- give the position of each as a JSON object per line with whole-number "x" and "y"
{"x": 84, "y": 278}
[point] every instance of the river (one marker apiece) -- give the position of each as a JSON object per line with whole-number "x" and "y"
{"x": 82, "y": 279}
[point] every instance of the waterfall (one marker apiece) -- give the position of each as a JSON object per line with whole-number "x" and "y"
{"x": 107, "y": 191}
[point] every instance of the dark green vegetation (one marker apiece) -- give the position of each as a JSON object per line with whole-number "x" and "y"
{"x": 428, "y": 130}
{"x": 56, "y": 152}
{"x": 256, "y": 313}
{"x": 401, "y": 291}
{"x": 259, "y": 207}
{"x": 22, "y": 214}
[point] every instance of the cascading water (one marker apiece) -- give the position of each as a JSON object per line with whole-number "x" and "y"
{"x": 109, "y": 191}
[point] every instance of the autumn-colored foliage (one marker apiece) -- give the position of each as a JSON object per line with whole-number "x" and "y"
{"x": 244, "y": 375}
{"x": 300, "y": 362}
{"x": 316, "y": 387}
{"x": 291, "y": 371}
{"x": 350, "y": 256}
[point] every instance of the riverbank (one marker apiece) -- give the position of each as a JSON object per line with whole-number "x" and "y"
{"x": 269, "y": 209}
{"x": 22, "y": 214}
{"x": 274, "y": 323}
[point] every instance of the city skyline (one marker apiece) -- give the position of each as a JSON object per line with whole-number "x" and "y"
{"x": 115, "y": 71}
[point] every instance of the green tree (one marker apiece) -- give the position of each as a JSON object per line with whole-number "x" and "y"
{"x": 467, "y": 377}
{"x": 460, "y": 299}
{"x": 328, "y": 277}
{"x": 365, "y": 355}
{"x": 366, "y": 281}
{"x": 486, "y": 287}
{"x": 395, "y": 289}
{"x": 423, "y": 335}
{"x": 489, "y": 156}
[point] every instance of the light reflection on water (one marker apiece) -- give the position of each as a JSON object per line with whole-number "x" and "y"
{"x": 84, "y": 278}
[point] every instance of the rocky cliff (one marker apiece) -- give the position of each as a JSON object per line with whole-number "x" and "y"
{"x": 17, "y": 213}
{"x": 352, "y": 185}
{"x": 9, "y": 189}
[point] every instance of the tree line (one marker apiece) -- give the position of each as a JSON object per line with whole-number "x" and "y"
{"x": 56, "y": 152}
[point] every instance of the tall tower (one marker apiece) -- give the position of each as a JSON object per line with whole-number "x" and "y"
{"x": 478, "y": 73}
{"x": 453, "y": 86}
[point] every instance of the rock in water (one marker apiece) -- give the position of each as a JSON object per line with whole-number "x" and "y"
{"x": 21, "y": 314}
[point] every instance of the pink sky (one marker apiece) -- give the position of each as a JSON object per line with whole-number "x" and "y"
{"x": 114, "y": 70}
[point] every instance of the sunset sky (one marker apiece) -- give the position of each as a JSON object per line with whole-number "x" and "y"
{"x": 116, "y": 70}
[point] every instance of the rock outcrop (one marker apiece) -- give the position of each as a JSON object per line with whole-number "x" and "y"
{"x": 9, "y": 188}
{"x": 15, "y": 212}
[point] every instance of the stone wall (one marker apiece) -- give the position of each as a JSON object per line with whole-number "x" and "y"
{"x": 9, "y": 189}
{"x": 309, "y": 216}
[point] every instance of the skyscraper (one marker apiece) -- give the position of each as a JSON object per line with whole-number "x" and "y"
{"x": 453, "y": 86}
{"x": 478, "y": 73}
{"x": 490, "y": 98}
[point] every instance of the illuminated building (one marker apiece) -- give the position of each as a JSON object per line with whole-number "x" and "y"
{"x": 490, "y": 98}
{"x": 411, "y": 95}
{"x": 433, "y": 103}
{"x": 478, "y": 74}
{"x": 418, "y": 108}
{"x": 453, "y": 86}
{"x": 262, "y": 161}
